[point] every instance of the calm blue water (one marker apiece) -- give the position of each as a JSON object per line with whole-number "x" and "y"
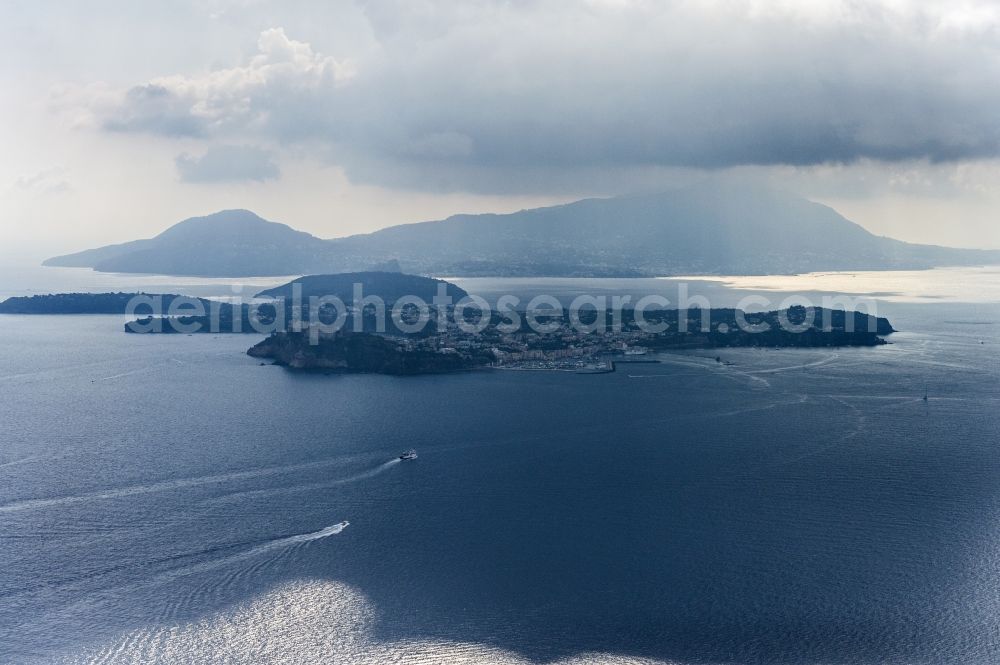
{"x": 167, "y": 499}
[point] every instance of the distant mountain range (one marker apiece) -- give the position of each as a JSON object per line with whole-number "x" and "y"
{"x": 701, "y": 230}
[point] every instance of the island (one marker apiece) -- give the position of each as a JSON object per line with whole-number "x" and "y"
{"x": 154, "y": 312}
{"x": 390, "y": 286}
{"x": 711, "y": 228}
{"x": 563, "y": 345}
{"x": 93, "y": 303}
{"x": 282, "y": 307}
{"x": 372, "y": 339}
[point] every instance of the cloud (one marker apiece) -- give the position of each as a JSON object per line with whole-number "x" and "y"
{"x": 48, "y": 182}
{"x": 486, "y": 95}
{"x": 228, "y": 163}
{"x": 264, "y": 92}
{"x": 156, "y": 109}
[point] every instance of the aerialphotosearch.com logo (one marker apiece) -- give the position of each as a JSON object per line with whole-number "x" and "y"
{"x": 472, "y": 314}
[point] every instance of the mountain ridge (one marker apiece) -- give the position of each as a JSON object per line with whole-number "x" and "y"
{"x": 715, "y": 229}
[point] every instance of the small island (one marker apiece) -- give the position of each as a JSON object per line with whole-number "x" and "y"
{"x": 389, "y": 286}
{"x": 93, "y": 303}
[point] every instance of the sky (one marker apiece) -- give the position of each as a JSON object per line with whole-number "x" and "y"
{"x": 120, "y": 118}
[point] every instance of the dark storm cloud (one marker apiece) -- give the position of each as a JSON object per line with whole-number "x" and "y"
{"x": 452, "y": 98}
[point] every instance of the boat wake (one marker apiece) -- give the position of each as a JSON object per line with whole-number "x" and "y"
{"x": 816, "y": 363}
{"x": 305, "y": 487}
{"x": 162, "y": 486}
{"x": 283, "y": 545}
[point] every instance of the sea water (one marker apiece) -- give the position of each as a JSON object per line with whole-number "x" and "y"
{"x": 168, "y": 499}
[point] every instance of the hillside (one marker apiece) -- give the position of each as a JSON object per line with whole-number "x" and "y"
{"x": 701, "y": 230}
{"x": 388, "y": 286}
{"x": 230, "y": 243}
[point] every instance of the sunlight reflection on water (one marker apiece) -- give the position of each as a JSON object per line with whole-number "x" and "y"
{"x": 972, "y": 285}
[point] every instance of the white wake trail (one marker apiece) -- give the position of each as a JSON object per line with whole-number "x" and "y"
{"x": 166, "y": 485}
{"x": 305, "y": 487}
{"x": 263, "y": 548}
